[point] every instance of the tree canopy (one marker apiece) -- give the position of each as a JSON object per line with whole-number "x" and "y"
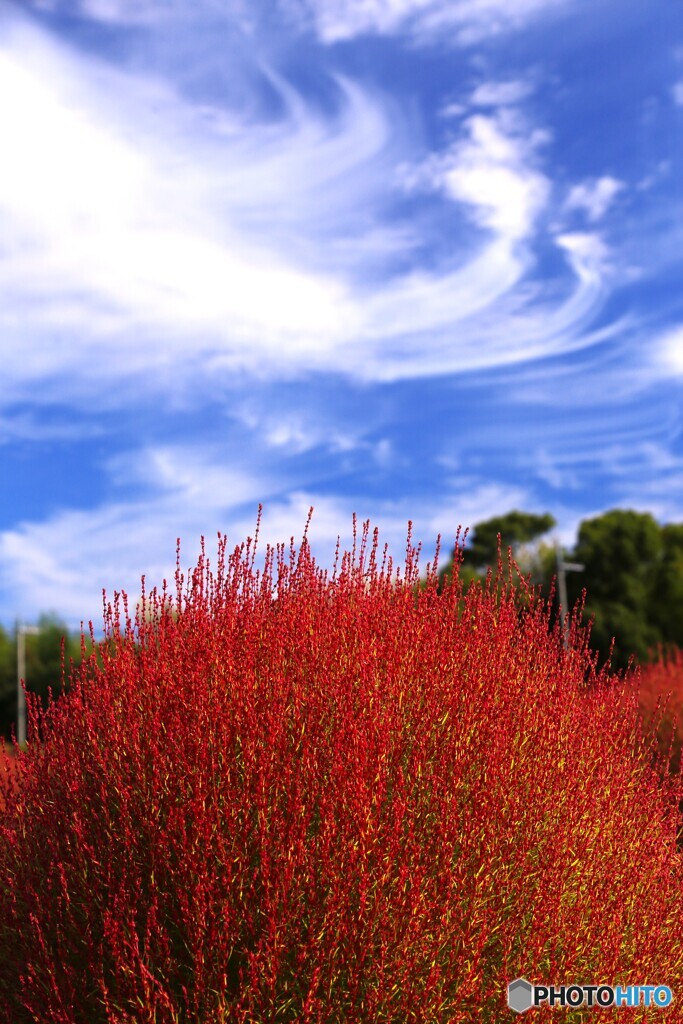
{"x": 514, "y": 528}
{"x": 632, "y": 575}
{"x": 43, "y": 664}
{"x": 634, "y": 582}
{"x": 518, "y": 531}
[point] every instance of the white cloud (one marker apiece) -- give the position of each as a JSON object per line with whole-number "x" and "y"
{"x": 500, "y": 94}
{"x": 492, "y": 172}
{"x": 594, "y": 197}
{"x": 88, "y": 209}
{"x": 660, "y": 172}
{"x": 296, "y": 433}
{"x": 452, "y": 110}
{"x": 468, "y": 20}
{"x": 669, "y": 349}
{"x": 191, "y": 474}
{"x": 124, "y": 216}
{"x": 142, "y": 12}
{"x": 587, "y": 253}
{"x": 24, "y": 425}
{"x": 678, "y": 93}
{"x": 158, "y": 250}
{"x": 155, "y": 245}
{"x": 135, "y": 225}
{"x": 65, "y": 561}
{"x": 552, "y": 471}
{"x": 116, "y": 11}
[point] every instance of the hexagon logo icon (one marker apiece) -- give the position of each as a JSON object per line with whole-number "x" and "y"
{"x": 520, "y": 995}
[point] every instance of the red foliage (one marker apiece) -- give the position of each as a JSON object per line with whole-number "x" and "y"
{"x": 288, "y": 796}
{"x": 7, "y": 767}
{"x": 659, "y": 688}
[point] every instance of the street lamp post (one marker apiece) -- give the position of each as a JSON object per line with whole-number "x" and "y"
{"x": 22, "y": 632}
{"x": 562, "y": 569}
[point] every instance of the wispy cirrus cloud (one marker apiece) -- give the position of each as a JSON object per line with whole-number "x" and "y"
{"x": 127, "y": 232}
{"x": 115, "y": 227}
{"x": 469, "y": 20}
{"x": 140, "y": 14}
{"x": 492, "y": 172}
{"x": 594, "y": 198}
{"x": 501, "y": 93}
{"x": 65, "y": 561}
{"x": 242, "y": 263}
{"x": 669, "y": 349}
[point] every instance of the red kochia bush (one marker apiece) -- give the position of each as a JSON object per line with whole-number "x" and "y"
{"x": 660, "y": 699}
{"x": 288, "y": 796}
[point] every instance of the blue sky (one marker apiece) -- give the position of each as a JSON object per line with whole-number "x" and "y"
{"x": 412, "y": 259}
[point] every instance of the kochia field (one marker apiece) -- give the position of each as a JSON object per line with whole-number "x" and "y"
{"x": 287, "y": 795}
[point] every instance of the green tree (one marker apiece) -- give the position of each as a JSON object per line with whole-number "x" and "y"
{"x": 622, "y": 552}
{"x": 8, "y": 681}
{"x": 666, "y": 591}
{"x": 515, "y": 529}
{"x": 519, "y": 531}
{"x": 633, "y": 575}
{"x": 43, "y": 665}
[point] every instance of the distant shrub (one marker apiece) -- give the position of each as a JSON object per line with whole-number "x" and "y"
{"x": 287, "y": 796}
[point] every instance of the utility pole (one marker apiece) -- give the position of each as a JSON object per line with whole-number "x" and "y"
{"x": 562, "y": 569}
{"x": 22, "y": 632}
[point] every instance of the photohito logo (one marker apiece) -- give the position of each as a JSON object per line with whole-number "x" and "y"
{"x": 522, "y": 995}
